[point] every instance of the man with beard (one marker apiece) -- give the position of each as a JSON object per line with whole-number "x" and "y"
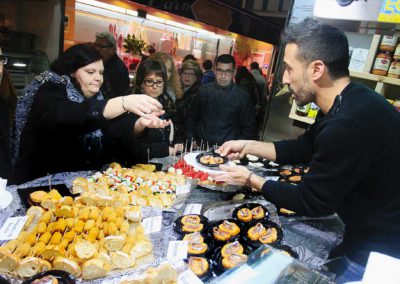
{"x": 352, "y": 150}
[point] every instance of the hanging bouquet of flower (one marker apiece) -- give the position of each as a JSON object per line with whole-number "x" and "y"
{"x": 135, "y": 45}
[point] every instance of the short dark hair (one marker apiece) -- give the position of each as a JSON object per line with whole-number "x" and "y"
{"x": 316, "y": 41}
{"x": 207, "y": 64}
{"x": 226, "y": 58}
{"x": 75, "y": 57}
{"x": 189, "y": 57}
{"x": 242, "y": 73}
{"x": 254, "y": 65}
{"x": 148, "y": 67}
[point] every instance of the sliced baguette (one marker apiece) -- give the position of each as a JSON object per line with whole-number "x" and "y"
{"x": 94, "y": 268}
{"x": 68, "y": 265}
{"x": 122, "y": 260}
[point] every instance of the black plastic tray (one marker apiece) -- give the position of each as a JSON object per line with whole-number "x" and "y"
{"x": 226, "y": 160}
{"x": 62, "y": 277}
{"x": 24, "y": 193}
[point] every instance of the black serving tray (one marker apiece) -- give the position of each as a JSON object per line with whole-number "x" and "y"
{"x": 267, "y": 224}
{"x": 62, "y": 277}
{"x": 250, "y": 206}
{"x": 226, "y": 160}
{"x": 178, "y": 225}
{"x": 24, "y": 193}
{"x": 207, "y": 275}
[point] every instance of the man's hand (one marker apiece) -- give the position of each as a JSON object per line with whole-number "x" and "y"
{"x": 234, "y": 149}
{"x": 142, "y": 104}
{"x": 233, "y": 174}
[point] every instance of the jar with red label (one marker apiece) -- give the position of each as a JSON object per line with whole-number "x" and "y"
{"x": 388, "y": 43}
{"x": 382, "y": 64}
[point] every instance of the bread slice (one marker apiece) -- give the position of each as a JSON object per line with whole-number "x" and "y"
{"x": 85, "y": 249}
{"x": 8, "y": 261}
{"x": 38, "y": 196}
{"x": 114, "y": 243}
{"x": 94, "y": 268}
{"x": 30, "y": 266}
{"x": 141, "y": 248}
{"x": 122, "y": 260}
{"x": 134, "y": 214}
{"x": 68, "y": 265}
{"x": 79, "y": 185}
{"x": 165, "y": 274}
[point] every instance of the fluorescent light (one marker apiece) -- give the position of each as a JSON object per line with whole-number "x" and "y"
{"x": 155, "y": 19}
{"x": 182, "y": 26}
{"x": 103, "y": 5}
{"x": 132, "y": 12}
{"x": 19, "y": 64}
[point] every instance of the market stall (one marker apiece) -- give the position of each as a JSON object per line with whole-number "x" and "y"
{"x": 173, "y": 224}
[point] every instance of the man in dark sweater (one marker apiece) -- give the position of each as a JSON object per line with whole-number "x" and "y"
{"x": 352, "y": 149}
{"x": 116, "y": 75}
{"x": 221, "y": 111}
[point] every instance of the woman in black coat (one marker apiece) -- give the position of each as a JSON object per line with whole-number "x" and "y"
{"x": 191, "y": 76}
{"x": 65, "y": 124}
{"x": 151, "y": 80}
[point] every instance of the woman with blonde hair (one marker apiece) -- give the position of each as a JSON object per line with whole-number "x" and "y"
{"x": 174, "y": 89}
{"x": 191, "y": 76}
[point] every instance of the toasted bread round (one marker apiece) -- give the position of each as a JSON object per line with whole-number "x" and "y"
{"x": 37, "y": 196}
{"x": 68, "y": 265}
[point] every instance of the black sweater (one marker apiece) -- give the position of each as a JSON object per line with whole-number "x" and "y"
{"x": 354, "y": 154}
{"x": 219, "y": 114}
{"x": 52, "y": 140}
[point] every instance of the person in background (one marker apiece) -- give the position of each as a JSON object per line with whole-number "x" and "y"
{"x": 208, "y": 75}
{"x": 63, "y": 122}
{"x": 8, "y": 101}
{"x": 189, "y": 57}
{"x": 191, "y": 80}
{"x": 151, "y": 78}
{"x": 174, "y": 89}
{"x": 246, "y": 81}
{"x": 221, "y": 110}
{"x": 260, "y": 80}
{"x": 116, "y": 75}
{"x": 352, "y": 150}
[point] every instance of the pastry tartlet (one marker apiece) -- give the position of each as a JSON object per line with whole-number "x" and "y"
{"x": 220, "y": 235}
{"x": 191, "y": 228}
{"x": 258, "y": 213}
{"x": 190, "y": 219}
{"x": 195, "y": 237}
{"x": 229, "y": 227}
{"x": 233, "y": 260}
{"x": 197, "y": 248}
{"x": 245, "y": 215}
{"x": 199, "y": 265}
{"x": 285, "y": 172}
{"x": 295, "y": 178}
{"x": 256, "y": 232}
{"x": 231, "y": 248}
{"x": 270, "y": 236}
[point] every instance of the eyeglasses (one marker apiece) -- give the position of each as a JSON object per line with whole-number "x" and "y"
{"x": 185, "y": 74}
{"x": 151, "y": 83}
{"x": 3, "y": 60}
{"x": 224, "y": 72}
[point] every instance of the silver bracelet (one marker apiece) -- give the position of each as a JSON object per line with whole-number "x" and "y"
{"x": 123, "y": 104}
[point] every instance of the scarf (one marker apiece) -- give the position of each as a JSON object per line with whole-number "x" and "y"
{"x": 24, "y": 105}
